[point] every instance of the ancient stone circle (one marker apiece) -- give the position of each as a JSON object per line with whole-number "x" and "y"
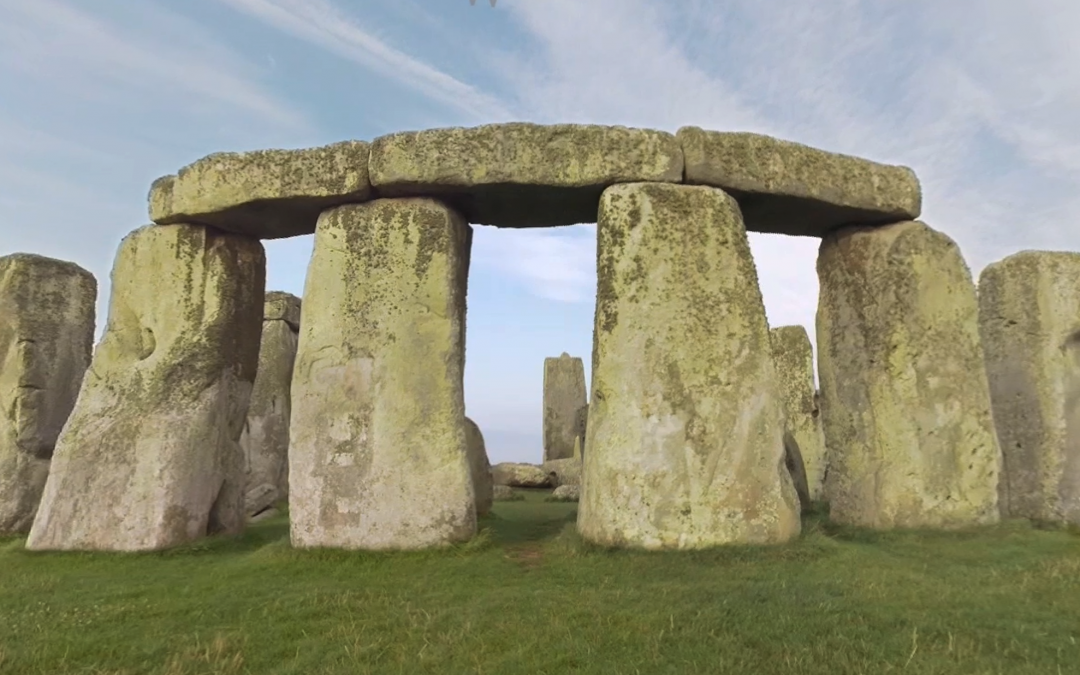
{"x": 209, "y": 401}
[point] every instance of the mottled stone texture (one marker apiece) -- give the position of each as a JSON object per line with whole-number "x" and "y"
{"x": 905, "y": 399}
{"x": 1029, "y": 319}
{"x": 789, "y": 188}
{"x": 378, "y": 442}
{"x": 685, "y": 435}
{"x": 267, "y": 194}
{"x": 479, "y": 468}
{"x": 265, "y": 439}
{"x": 521, "y": 174}
{"x": 150, "y": 456}
{"x": 46, "y": 334}
{"x": 794, "y": 358}
{"x": 564, "y": 397}
{"x": 520, "y": 474}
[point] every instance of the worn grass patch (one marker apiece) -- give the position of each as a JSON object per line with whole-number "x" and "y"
{"x": 528, "y": 597}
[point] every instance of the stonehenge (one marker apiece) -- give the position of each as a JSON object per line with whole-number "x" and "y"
{"x": 1029, "y": 320}
{"x": 190, "y": 415}
{"x": 671, "y": 461}
{"x": 906, "y": 402}
{"x": 794, "y": 359}
{"x": 46, "y": 336}
{"x": 265, "y": 437}
{"x": 564, "y": 405}
{"x": 150, "y": 457}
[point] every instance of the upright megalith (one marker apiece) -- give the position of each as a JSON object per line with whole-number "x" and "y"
{"x": 46, "y": 334}
{"x": 1029, "y": 320}
{"x": 905, "y": 399}
{"x": 685, "y": 438}
{"x": 479, "y": 468}
{"x": 794, "y": 358}
{"x": 564, "y": 397}
{"x": 150, "y": 456}
{"x": 378, "y": 444}
{"x": 265, "y": 438}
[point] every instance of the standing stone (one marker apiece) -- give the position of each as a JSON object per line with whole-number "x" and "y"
{"x": 905, "y": 399}
{"x": 564, "y": 397}
{"x": 479, "y": 468}
{"x": 794, "y": 359}
{"x": 265, "y": 439}
{"x": 150, "y": 457}
{"x": 1029, "y": 319}
{"x": 46, "y": 335}
{"x": 685, "y": 435}
{"x": 378, "y": 442}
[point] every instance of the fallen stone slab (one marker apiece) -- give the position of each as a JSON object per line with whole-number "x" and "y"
{"x": 565, "y": 493}
{"x": 505, "y": 493}
{"x": 521, "y": 174}
{"x": 1029, "y": 321}
{"x": 259, "y": 498}
{"x": 520, "y": 475}
{"x": 685, "y": 433}
{"x": 789, "y": 188}
{"x": 266, "y": 194}
{"x": 46, "y": 336}
{"x": 150, "y": 456}
{"x": 905, "y": 398}
{"x": 563, "y": 471}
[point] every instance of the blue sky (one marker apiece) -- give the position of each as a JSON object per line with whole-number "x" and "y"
{"x": 100, "y": 97}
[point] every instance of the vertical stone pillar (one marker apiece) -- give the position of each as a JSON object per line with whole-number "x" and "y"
{"x": 685, "y": 434}
{"x": 794, "y": 358}
{"x": 265, "y": 439}
{"x": 150, "y": 457}
{"x": 905, "y": 399}
{"x": 377, "y": 454}
{"x": 46, "y": 335}
{"x": 1029, "y": 319}
{"x": 479, "y": 468}
{"x": 564, "y": 397}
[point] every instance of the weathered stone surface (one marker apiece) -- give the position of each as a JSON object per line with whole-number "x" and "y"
{"x": 46, "y": 334}
{"x": 581, "y": 424}
{"x": 505, "y": 493}
{"x": 519, "y": 474}
{"x": 259, "y": 498}
{"x": 150, "y": 456}
{"x": 789, "y": 188}
{"x": 794, "y": 358}
{"x": 378, "y": 444}
{"x": 265, "y": 437}
{"x": 267, "y": 194}
{"x": 1029, "y": 320}
{"x": 263, "y": 515}
{"x": 905, "y": 399}
{"x": 522, "y": 174}
{"x": 565, "y": 493}
{"x": 281, "y": 306}
{"x": 793, "y": 460}
{"x": 563, "y": 471}
{"x": 479, "y": 468}
{"x": 564, "y": 398}
{"x": 680, "y": 335}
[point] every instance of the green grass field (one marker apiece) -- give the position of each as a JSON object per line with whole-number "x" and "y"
{"x": 529, "y": 597}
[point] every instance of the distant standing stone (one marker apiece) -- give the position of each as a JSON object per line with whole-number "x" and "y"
{"x": 794, "y": 358}
{"x": 564, "y": 399}
{"x": 684, "y": 444}
{"x": 479, "y": 467}
{"x": 150, "y": 457}
{"x": 1029, "y": 319}
{"x": 46, "y": 336}
{"x": 905, "y": 399}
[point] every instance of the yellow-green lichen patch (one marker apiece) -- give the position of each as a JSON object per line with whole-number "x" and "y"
{"x": 685, "y": 426}
{"x": 378, "y": 443}
{"x": 1029, "y": 322}
{"x": 154, "y": 432}
{"x": 794, "y": 358}
{"x": 905, "y": 399}
{"x": 46, "y": 335}
{"x": 522, "y": 174}
{"x": 789, "y": 188}
{"x": 266, "y": 194}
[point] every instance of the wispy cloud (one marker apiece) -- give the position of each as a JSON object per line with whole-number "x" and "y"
{"x": 325, "y": 25}
{"x": 555, "y": 264}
